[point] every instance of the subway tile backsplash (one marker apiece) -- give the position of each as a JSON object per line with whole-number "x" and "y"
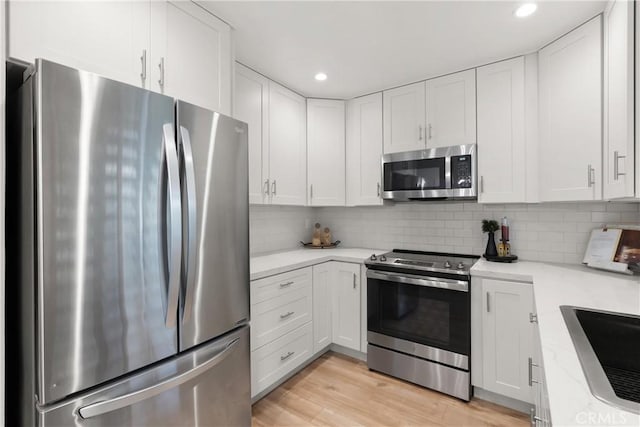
{"x": 555, "y": 232}
{"x": 277, "y": 228}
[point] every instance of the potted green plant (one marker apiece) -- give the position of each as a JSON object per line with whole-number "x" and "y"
{"x": 490, "y": 226}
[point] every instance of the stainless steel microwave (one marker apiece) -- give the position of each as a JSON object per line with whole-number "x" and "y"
{"x": 433, "y": 174}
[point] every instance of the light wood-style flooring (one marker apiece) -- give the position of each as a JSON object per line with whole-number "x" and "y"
{"x": 336, "y": 390}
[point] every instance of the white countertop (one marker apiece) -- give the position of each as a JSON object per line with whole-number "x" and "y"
{"x": 268, "y": 265}
{"x": 570, "y": 400}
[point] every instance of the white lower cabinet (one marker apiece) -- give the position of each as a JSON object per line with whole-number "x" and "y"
{"x": 504, "y": 347}
{"x": 273, "y": 361}
{"x": 540, "y": 413}
{"x": 322, "y": 279}
{"x": 281, "y": 326}
{"x": 346, "y": 305}
{"x": 300, "y": 313}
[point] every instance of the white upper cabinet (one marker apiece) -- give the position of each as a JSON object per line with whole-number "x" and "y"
{"x": 618, "y": 161}
{"x": 437, "y": 113}
{"x": 501, "y": 132}
{"x": 325, "y": 152}
{"x": 190, "y": 55}
{"x": 108, "y": 38}
{"x": 176, "y": 48}
{"x": 571, "y": 115}
{"x": 364, "y": 149}
{"x": 404, "y": 115}
{"x": 251, "y": 106}
{"x": 451, "y": 110}
{"x": 287, "y": 146}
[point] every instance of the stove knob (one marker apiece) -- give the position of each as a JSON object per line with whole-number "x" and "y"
{"x": 447, "y": 264}
{"x": 461, "y": 266}
{"x": 383, "y": 258}
{"x": 373, "y": 257}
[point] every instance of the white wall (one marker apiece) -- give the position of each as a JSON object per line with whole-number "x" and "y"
{"x": 556, "y": 232}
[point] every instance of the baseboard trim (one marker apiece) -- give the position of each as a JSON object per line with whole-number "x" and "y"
{"x": 348, "y": 352}
{"x": 498, "y": 399}
{"x": 284, "y": 379}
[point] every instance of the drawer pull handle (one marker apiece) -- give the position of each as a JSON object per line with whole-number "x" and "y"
{"x": 284, "y": 316}
{"x": 286, "y": 356}
{"x": 531, "y": 380}
{"x": 284, "y": 285}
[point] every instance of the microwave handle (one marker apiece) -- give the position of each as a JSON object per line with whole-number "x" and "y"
{"x": 412, "y": 279}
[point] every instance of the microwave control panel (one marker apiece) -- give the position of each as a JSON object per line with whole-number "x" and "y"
{"x": 461, "y": 172}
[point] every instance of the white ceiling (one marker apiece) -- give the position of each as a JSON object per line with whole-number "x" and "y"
{"x": 367, "y": 46}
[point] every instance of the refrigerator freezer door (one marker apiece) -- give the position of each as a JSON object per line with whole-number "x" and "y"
{"x": 215, "y": 295}
{"x": 103, "y": 245}
{"x": 208, "y": 386}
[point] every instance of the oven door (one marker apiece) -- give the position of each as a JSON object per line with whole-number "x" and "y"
{"x": 425, "y": 316}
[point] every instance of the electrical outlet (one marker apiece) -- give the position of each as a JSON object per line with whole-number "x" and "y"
{"x": 307, "y": 223}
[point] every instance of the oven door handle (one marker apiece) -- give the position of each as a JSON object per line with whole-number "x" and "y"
{"x": 412, "y": 279}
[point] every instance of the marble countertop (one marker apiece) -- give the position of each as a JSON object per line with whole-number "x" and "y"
{"x": 268, "y": 265}
{"x": 570, "y": 400}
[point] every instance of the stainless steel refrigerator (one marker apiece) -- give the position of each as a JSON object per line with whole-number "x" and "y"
{"x": 130, "y": 257}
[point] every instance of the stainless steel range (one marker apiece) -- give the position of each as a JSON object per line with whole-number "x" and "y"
{"x": 419, "y": 311}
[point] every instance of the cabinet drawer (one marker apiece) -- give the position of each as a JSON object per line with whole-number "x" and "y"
{"x": 274, "y": 286}
{"x": 275, "y": 317}
{"x": 276, "y": 359}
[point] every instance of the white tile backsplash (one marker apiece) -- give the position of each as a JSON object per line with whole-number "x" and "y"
{"x": 555, "y": 232}
{"x": 542, "y": 232}
{"x": 277, "y": 228}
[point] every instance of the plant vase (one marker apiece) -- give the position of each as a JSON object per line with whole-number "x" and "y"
{"x": 491, "y": 245}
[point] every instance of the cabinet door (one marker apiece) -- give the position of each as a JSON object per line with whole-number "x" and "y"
{"x": 346, "y": 305}
{"x": 251, "y": 106}
{"x": 191, "y": 55}
{"x": 507, "y": 338}
{"x": 404, "y": 115}
{"x": 451, "y": 110}
{"x": 570, "y": 115}
{"x": 501, "y": 132}
{"x": 108, "y": 38}
{"x": 618, "y": 169}
{"x": 325, "y": 152}
{"x": 287, "y": 146}
{"x": 364, "y": 149}
{"x": 323, "y": 276}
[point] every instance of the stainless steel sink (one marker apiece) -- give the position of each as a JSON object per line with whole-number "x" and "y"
{"x": 608, "y": 346}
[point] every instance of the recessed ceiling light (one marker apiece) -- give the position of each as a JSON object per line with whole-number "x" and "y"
{"x": 321, "y": 77}
{"x": 525, "y": 10}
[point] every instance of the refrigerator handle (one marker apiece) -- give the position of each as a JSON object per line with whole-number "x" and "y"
{"x": 175, "y": 212}
{"x": 190, "y": 256}
{"x": 105, "y": 406}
